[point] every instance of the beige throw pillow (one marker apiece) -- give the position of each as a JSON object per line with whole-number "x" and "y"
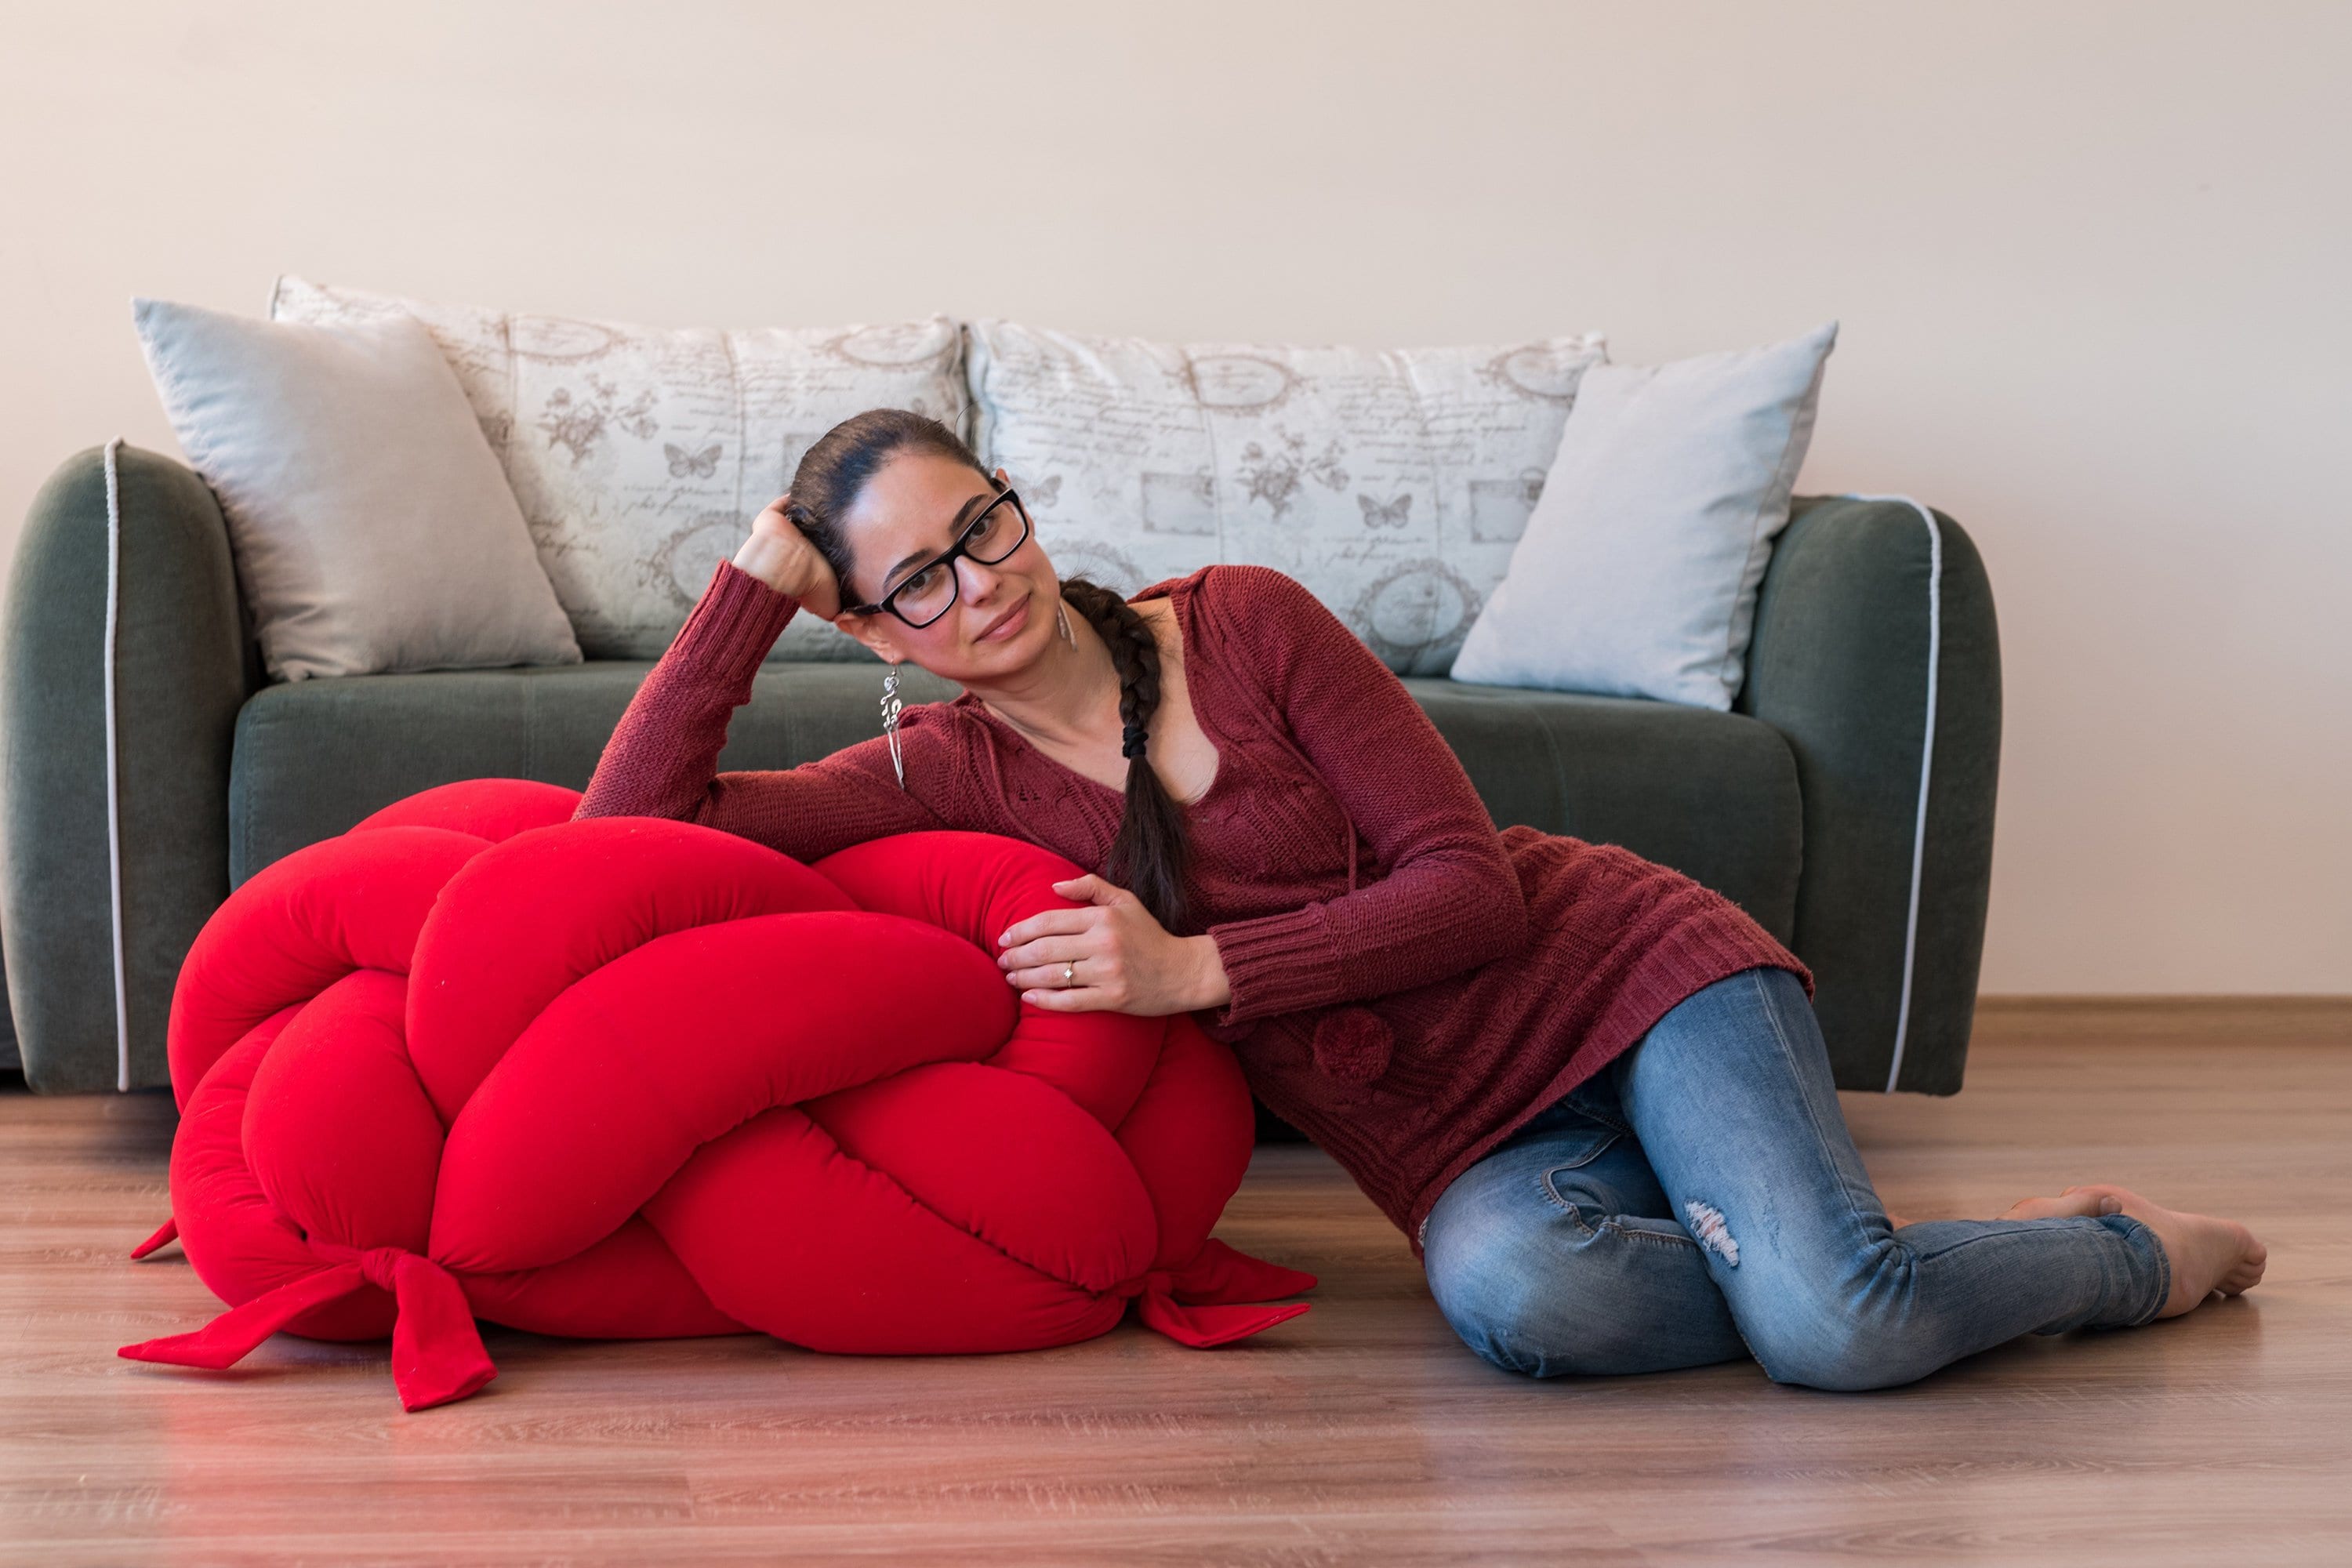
{"x": 372, "y": 529}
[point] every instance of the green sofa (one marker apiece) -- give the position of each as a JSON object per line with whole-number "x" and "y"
{"x": 1804, "y": 804}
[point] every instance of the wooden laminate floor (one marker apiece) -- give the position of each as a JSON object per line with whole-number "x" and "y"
{"x": 1362, "y": 1433}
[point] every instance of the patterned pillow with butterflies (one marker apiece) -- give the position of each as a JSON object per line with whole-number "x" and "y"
{"x": 640, "y": 455}
{"x": 1393, "y": 483}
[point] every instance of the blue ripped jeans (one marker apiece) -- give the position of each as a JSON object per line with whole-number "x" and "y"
{"x": 1700, "y": 1200}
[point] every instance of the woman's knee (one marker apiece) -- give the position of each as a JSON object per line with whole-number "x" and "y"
{"x": 1537, "y": 1298}
{"x": 1476, "y": 1251}
{"x": 1520, "y": 1315}
{"x": 1502, "y": 1322}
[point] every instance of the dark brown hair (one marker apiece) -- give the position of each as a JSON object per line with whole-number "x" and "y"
{"x": 1149, "y": 856}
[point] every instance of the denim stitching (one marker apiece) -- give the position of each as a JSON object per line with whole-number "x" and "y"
{"x": 1607, "y": 1121}
{"x": 1609, "y": 1224}
{"x": 2018, "y": 1227}
{"x": 1591, "y": 1112}
{"x": 1544, "y": 1185}
{"x": 1576, "y": 1216}
{"x": 1631, "y": 1233}
{"x": 1787, "y": 1054}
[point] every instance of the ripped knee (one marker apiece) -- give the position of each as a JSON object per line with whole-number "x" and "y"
{"x": 1711, "y": 1230}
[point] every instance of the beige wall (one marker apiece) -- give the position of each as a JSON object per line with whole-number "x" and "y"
{"x": 2092, "y": 262}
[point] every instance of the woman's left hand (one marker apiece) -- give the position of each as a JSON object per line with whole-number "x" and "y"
{"x": 1126, "y": 961}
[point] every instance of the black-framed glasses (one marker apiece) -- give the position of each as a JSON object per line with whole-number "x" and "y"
{"x": 929, "y": 591}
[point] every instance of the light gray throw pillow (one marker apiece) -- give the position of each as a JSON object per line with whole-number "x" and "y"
{"x": 372, "y": 527}
{"x": 1638, "y": 572}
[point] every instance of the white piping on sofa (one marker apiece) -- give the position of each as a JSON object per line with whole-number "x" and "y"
{"x": 114, "y": 800}
{"x": 1926, "y": 765}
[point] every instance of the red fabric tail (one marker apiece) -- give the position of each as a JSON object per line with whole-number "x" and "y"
{"x": 227, "y": 1340}
{"x": 1217, "y": 1297}
{"x": 1219, "y": 1273}
{"x": 437, "y": 1348}
{"x": 1204, "y": 1326}
{"x": 171, "y": 1229}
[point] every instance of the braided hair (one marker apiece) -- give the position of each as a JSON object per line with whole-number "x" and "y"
{"x": 1149, "y": 855}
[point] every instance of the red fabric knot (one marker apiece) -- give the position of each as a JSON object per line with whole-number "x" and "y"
{"x": 1354, "y": 1045}
{"x": 436, "y": 1350}
{"x": 1159, "y": 1279}
{"x": 381, "y": 1265}
{"x": 436, "y": 1347}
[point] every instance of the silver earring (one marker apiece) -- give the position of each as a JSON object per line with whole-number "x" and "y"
{"x": 890, "y": 706}
{"x": 1062, "y": 617}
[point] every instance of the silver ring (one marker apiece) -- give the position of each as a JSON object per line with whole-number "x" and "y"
{"x": 1070, "y": 973}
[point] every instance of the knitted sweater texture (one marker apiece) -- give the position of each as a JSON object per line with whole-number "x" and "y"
{"x": 1410, "y": 984}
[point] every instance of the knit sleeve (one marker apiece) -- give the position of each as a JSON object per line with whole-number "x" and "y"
{"x": 1451, "y": 901}
{"x": 663, "y": 757}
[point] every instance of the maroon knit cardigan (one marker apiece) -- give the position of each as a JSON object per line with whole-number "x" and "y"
{"x": 1407, "y": 1025}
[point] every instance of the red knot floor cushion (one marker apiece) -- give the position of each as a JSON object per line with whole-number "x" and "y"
{"x": 630, "y": 1077}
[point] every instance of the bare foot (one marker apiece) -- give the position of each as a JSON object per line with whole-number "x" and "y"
{"x": 2207, "y": 1253}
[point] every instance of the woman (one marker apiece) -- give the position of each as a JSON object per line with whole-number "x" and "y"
{"x": 1590, "y": 1091}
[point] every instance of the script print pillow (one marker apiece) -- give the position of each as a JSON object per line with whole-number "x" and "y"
{"x": 640, "y": 455}
{"x": 1393, "y": 484}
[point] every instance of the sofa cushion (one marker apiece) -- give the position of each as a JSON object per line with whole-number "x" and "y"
{"x": 1712, "y": 795}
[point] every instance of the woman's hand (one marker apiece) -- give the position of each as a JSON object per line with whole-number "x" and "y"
{"x": 779, "y": 554}
{"x": 1127, "y": 961}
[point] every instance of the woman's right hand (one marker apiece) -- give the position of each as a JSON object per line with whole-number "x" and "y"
{"x": 779, "y": 554}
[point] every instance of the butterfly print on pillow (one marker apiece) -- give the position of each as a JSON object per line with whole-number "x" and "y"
{"x": 701, "y": 464}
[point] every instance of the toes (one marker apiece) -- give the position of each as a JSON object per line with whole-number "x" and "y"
{"x": 2247, "y": 1272}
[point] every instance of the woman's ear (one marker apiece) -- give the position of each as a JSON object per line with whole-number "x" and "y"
{"x": 868, "y": 630}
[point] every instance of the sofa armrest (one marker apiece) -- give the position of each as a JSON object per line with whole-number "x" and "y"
{"x": 183, "y": 665}
{"x": 1891, "y": 901}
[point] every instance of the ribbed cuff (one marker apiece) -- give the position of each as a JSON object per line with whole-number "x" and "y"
{"x": 737, "y": 621}
{"x": 1276, "y": 963}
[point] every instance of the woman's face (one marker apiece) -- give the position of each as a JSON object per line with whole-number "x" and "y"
{"x": 915, "y": 506}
